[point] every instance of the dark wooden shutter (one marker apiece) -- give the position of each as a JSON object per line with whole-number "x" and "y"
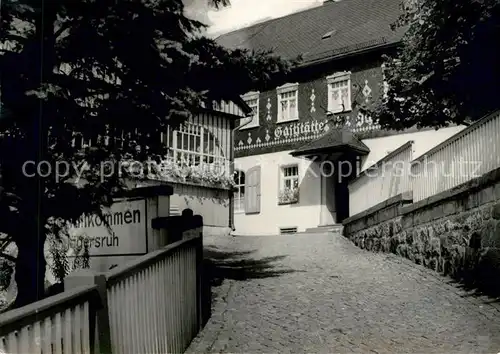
{"x": 252, "y": 191}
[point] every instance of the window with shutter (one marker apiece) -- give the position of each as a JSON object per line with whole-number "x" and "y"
{"x": 252, "y": 191}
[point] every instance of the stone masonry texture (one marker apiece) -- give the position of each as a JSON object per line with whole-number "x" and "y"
{"x": 457, "y": 236}
{"x": 329, "y": 296}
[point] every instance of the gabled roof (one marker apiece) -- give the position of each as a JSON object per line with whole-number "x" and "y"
{"x": 353, "y": 25}
{"x": 332, "y": 141}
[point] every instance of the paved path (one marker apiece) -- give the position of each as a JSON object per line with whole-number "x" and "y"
{"x": 340, "y": 299}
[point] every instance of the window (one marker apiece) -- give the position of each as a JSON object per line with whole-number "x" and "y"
{"x": 239, "y": 194}
{"x": 252, "y": 100}
{"x": 195, "y": 145}
{"x": 79, "y": 141}
{"x": 289, "y": 185}
{"x": 287, "y": 102}
{"x": 339, "y": 92}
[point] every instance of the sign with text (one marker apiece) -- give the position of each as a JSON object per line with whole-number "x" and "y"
{"x": 126, "y": 234}
{"x": 300, "y": 129}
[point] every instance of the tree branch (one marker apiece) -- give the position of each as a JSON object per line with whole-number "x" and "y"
{"x": 8, "y": 257}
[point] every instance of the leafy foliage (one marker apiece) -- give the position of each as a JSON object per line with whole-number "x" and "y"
{"x": 60, "y": 246}
{"x": 6, "y": 269}
{"x": 112, "y": 73}
{"x": 447, "y": 70}
{"x": 288, "y": 196}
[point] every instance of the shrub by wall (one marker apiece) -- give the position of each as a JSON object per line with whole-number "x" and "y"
{"x": 456, "y": 232}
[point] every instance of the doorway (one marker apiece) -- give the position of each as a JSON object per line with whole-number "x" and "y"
{"x": 327, "y": 189}
{"x": 346, "y": 171}
{"x": 342, "y": 199}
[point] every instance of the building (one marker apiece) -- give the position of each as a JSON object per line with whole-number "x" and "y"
{"x": 285, "y": 152}
{"x": 200, "y": 165}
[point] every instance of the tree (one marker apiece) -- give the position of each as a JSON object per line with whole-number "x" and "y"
{"x": 447, "y": 69}
{"x": 113, "y": 72}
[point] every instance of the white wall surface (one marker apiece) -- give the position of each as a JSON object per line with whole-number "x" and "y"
{"x": 212, "y": 204}
{"x": 304, "y": 214}
{"x": 307, "y": 213}
{"x": 424, "y": 141}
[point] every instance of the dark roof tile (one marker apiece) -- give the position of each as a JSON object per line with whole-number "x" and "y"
{"x": 356, "y": 23}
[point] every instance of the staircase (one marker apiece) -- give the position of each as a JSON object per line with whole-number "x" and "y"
{"x": 337, "y": 228}
{"x": 174, "y": 210}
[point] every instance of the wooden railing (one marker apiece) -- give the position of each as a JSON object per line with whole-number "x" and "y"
{"x": 61, "y": 324}
{"x": 153, "y": 304}
{"x": 386, "y": 179}
{"x": 469, "y": 154}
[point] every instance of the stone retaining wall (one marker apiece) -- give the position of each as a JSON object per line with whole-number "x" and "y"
{"x": 456, "y": 232}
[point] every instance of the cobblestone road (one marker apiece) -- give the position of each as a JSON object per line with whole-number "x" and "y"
{"x": 340, "y": 299}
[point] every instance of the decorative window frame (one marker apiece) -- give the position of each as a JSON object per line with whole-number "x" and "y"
{"x": 288, "y": 196}
{"x": 254, "y": 119}
{"x": 287, "y": 88}
{"x": 334, "y": 78}
{"x": 239, "y": 202}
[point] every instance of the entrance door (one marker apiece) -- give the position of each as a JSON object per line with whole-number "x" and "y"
{"x": 341, "y": 199}
{"x": 327, "y": 214}
{"x": 346, "y": 170}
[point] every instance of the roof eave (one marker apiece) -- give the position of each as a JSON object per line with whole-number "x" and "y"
{"x": 243, "y": 105}
{"x": 216, "y": 112}
{"x": 342, "y": 148}
{"x": 347, "y": 55}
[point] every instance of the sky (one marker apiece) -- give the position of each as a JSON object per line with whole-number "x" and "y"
{"x": 242, "y": 13}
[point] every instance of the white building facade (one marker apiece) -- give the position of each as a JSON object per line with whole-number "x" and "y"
{"x": 308, "y": 139}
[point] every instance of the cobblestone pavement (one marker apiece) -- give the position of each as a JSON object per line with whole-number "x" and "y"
{"x": 341, "y": 299}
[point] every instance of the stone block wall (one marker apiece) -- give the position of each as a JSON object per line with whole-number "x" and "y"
{"x": 456, "y": 232}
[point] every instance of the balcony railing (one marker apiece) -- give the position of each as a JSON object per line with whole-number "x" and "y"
{"x": 199, "y": 153}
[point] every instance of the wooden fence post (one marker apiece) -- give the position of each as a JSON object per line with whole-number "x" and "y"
{"x": 100, "y": 331}
{"x": 199, "y": 281}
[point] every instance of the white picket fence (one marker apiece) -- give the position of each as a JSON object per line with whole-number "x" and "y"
{"x": 385, "y": 179}
{"x": 150, "y": 305}
{"x": 60, "y": 324}
{"x": 466, "y": 155}
{"x": 469, "y": 154}
{"x": 153, "y": 307}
